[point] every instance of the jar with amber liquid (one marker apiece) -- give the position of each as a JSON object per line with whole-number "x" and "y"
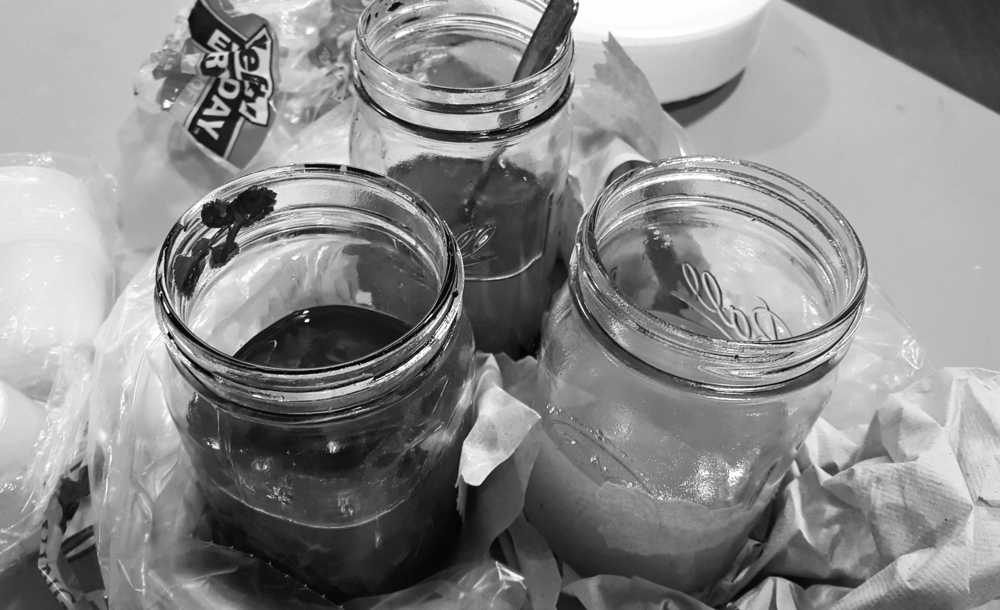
{"x": 438, "y": 111}
{"x": 708, "y": 305}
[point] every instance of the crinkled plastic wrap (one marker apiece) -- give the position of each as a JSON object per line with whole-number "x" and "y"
{"x": 57, "y": 242}
{"x": 230, "y": 89}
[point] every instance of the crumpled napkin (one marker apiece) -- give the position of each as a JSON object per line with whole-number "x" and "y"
{"x": 909, "y": 518}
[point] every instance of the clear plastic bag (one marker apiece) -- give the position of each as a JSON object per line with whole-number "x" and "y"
{"x": 57, "y": 245}
{"x": 230, "y": 88}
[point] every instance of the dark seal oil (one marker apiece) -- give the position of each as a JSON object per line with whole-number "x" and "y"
{"x": 379, "y": 489}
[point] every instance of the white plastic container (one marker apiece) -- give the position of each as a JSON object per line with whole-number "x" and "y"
{"x": 685, "y": 47}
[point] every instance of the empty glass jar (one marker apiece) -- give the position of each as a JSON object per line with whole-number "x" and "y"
{"x": 437, "y": 111}
{"x": 708, "y": 306}
{"x": 322, "y": 371}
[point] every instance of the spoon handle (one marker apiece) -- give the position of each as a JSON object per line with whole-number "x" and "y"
{"x": 552, "y": 29}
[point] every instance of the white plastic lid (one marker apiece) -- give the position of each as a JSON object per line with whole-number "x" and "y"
{"x": 685, "y": 47}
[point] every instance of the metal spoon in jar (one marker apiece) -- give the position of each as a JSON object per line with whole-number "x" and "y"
{"x": 552, "y": 29}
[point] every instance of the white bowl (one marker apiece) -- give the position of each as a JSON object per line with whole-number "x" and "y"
{"x": 685, "y": 47}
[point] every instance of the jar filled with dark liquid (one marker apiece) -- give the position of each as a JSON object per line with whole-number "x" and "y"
{"x": 437, "y": 111}
{"x": 324, "y": 369}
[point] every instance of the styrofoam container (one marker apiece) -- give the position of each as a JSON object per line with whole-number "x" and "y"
{"x": 685, "y": 47}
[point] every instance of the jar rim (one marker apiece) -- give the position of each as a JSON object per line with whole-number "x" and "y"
{"x": 487, "y": 111}
{"x": 539, "y": 77}
{"x": 353, "y": 376}
{"x": 813, "y": 206}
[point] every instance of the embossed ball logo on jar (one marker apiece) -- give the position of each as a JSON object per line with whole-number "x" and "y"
{"x": 472, "y": 244}
{"x": 761, "y": 323}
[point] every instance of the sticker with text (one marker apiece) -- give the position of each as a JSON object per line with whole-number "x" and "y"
{"x": 236, "y": 108}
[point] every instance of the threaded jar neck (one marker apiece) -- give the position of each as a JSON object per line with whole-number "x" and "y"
{"x": 722, "y": 273}
{"x": 318, "y": 209}
{"x": 447, "y": 65}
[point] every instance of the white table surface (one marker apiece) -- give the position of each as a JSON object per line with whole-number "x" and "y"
{"x": 913, "y": 164}
{"x": 908, "y": 160}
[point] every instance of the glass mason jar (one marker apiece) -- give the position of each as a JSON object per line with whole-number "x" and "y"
{"x": 321, "y": 373}
{"x": 708, "y": 306}
{"x": 436, "y": 110}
